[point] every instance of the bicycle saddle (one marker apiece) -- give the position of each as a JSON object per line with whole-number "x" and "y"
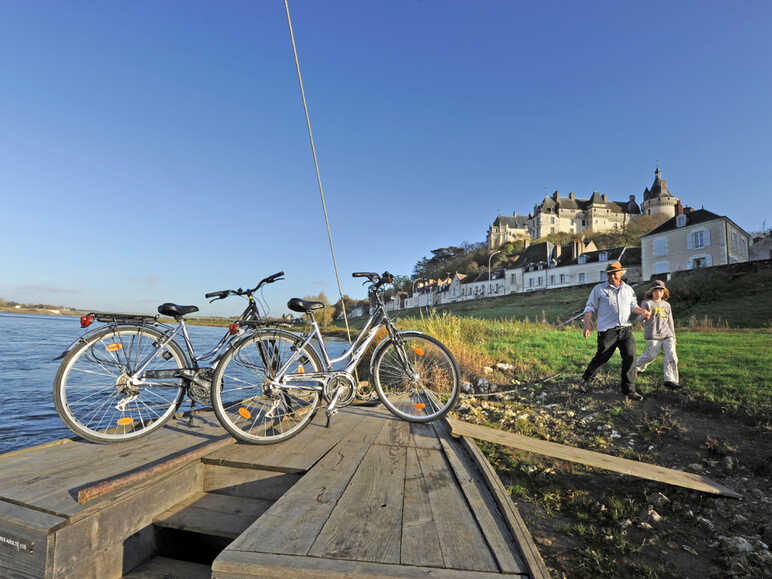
{"x": 303, "y": 306}
{"x": 176, "y": 311}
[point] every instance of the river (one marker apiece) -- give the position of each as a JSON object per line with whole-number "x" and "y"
{"x": 28, "y": 346}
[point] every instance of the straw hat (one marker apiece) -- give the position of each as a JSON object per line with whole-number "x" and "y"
{"x": 614, "y": 267}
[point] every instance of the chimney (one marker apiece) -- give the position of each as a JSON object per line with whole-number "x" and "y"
{"x": 576, "y": 248}
{"x": 556, "y": 195}
{"x": 557, "y": 251}
{"x": 679, "y": 208}
{"x": 571, "y": 195}
{"x": 604, "y": 197}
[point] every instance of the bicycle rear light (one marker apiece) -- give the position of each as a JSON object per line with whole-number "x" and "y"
{"x": 85, "y": 321}
{"x": 233, "y": 328}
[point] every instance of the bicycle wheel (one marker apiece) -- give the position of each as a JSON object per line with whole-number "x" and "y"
{"x": 95, "y": 396}
{"x": 245, "y": 402}
{"x": 418, "y": 380}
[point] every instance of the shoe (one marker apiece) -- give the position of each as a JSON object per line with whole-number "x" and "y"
{"x": 672, "y": 385}
{"x": 637, "y": 396}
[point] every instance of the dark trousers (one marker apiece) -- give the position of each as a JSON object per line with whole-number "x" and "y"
{"x": 620, "y": 337}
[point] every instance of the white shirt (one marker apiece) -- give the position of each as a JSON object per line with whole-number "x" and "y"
{"x": 613, "y": 304}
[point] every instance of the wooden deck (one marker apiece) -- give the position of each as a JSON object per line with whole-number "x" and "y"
{"x": 371, "y": 496}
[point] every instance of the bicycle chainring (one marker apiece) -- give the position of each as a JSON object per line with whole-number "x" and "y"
{"x": 344, "y": 381}
{"x": 199, "y": 388}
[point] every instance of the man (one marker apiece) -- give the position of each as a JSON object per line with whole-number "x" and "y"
{"x": 614, "y": 302}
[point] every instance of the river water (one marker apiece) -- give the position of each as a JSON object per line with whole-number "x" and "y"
{"x": 28, "y": 346}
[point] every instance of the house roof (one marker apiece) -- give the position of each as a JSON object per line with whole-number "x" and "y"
{"x": 693, "y": 217}
{"x": 534, "y": 254}
{"x": 557, "y": 202}
{"x": 629, "y": 256}
{"x": 513, "y": 221}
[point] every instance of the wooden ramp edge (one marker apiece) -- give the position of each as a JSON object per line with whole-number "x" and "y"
{"x": 591, "y": 458}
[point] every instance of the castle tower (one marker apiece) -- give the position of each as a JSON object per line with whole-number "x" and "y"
{"x": 658, "y": 200}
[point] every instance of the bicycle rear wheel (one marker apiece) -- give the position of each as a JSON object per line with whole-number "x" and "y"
{"x": 95, "y": 396}
{"x": 417, "y": 379}
{"x": 246, "y": 403}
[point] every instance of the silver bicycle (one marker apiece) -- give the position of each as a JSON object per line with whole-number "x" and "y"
{"x": 268, "y": 386}
{"x": 128, "y": 377}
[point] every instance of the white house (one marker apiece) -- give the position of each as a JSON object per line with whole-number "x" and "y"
{"x": 693, "y": 239}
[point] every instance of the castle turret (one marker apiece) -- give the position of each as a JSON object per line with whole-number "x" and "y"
{"x": 657, "y": 199}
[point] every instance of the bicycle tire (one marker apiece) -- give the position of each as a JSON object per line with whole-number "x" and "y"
{"x": 94, "y": 397}
{"x": 240, "y": 403}
{"x": 425, "y": 393}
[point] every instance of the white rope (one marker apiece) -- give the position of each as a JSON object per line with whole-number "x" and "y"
{"x": 316, "y": 165}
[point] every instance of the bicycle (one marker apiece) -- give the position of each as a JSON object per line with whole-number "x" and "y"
{"x": 267, "y": 387}
{"x": 127, "y": 378}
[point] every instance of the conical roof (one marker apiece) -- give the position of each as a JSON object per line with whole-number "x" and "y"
{"x": 658, "y": 188}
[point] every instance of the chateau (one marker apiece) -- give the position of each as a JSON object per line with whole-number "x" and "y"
{"x": 560, "y": 214}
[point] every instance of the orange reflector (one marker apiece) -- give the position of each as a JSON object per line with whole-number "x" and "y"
{"x": 418, "y": 351}
{"x": 420, "y": 406}
{"x": 125, "y": 421}
{"x": 113, "y": 347}
{"x": 245, "y": 413}
{"x": 301, "y": 370}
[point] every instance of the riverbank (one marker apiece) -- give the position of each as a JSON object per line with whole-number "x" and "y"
{"x": 523, "y": 378}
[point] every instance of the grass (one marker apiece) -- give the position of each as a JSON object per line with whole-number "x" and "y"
{"x": 724, "y": 368}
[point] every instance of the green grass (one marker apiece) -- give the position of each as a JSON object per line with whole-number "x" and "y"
{"x": 729, "y": 369}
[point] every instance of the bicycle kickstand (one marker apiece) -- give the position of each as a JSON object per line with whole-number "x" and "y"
{"x": 331, "y": 406}
{"x": 192, "y": 409}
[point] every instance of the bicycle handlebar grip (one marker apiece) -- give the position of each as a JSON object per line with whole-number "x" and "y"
{"x": 219, "y": 294}
{"x": 274, "y": 277}
{"x": 369, "y": 274}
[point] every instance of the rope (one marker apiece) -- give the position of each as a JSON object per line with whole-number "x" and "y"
{"x": 316, "y": 165}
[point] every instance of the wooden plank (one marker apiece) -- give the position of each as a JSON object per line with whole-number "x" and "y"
{"x": 484, "y": 508}
{"x": 366, "y": 523}
{"x": 591, "y": 458}
{"x": 247, "y": 482}
{"x": 107, "y": 524}
{"x": 24, "y": 540}
{"x": 463, "y": 545}
{"x": 529, "y": 552}
{"x": 292, "y": 524}
{"x": 104, "y": 487}
{"x": 165, "y": 568}
{"x": 213, "y": 514}
{"x": 241, "y": 565}
{"x": 296, "y": 455}
{"x": 424, "y": 436}
{"x": 393, "y": 432}
{"x": 420, "y": 539}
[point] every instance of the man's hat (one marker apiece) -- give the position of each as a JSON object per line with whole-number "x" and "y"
{"x": 616, "y": 266}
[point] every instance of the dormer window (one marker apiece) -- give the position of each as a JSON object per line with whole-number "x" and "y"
{"x": 680, "y": 220}
{"x": 603, "y": 256}
{"x": 582, "y": 259}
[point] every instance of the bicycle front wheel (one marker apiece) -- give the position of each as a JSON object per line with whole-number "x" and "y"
{"x": 416, "y": 377}
{"x": 246, "y": 402}
{"x": 97, "y": 395}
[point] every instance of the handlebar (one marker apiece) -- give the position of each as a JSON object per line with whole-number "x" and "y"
{"x": 376, "y": 280}
{"x": 222, "y": 294}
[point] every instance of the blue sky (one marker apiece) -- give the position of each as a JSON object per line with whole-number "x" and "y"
{"x": 152, "y": 151}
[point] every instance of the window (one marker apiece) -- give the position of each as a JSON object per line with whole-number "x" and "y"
{"x": 552, "y": 279}
{"x": 698, "y": 239}
{"x": 582, "y": 259}
{"x": 512, "y": 279}
{"x": 699, "y": 263}
{"x": 680, "y": 220}
{"x": 660, "y": 247}
{"x": 581, "y": 277}
{"x": 530, "y": 282}
{"x": 562, "y": 278}
{"x": 539, "y": 281}
{"x": 602, "y": 275}
{"x": 603, "y": 256}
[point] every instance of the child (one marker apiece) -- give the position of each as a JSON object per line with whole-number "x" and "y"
{"x": 659, "y": 332}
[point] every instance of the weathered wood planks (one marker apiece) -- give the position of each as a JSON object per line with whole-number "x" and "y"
{"x": 591, "y": 458}
{"x": 213, "y": 514}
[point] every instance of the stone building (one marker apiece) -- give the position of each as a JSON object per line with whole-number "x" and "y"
{"x": 571, "y": 214}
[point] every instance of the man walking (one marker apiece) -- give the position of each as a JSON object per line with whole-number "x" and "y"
{"x": 614, "y": 302}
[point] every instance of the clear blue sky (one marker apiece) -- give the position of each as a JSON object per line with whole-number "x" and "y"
{"x": 152, "y": 151}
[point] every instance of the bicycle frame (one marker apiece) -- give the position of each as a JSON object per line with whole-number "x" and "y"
{"x": 352, "y": 355}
